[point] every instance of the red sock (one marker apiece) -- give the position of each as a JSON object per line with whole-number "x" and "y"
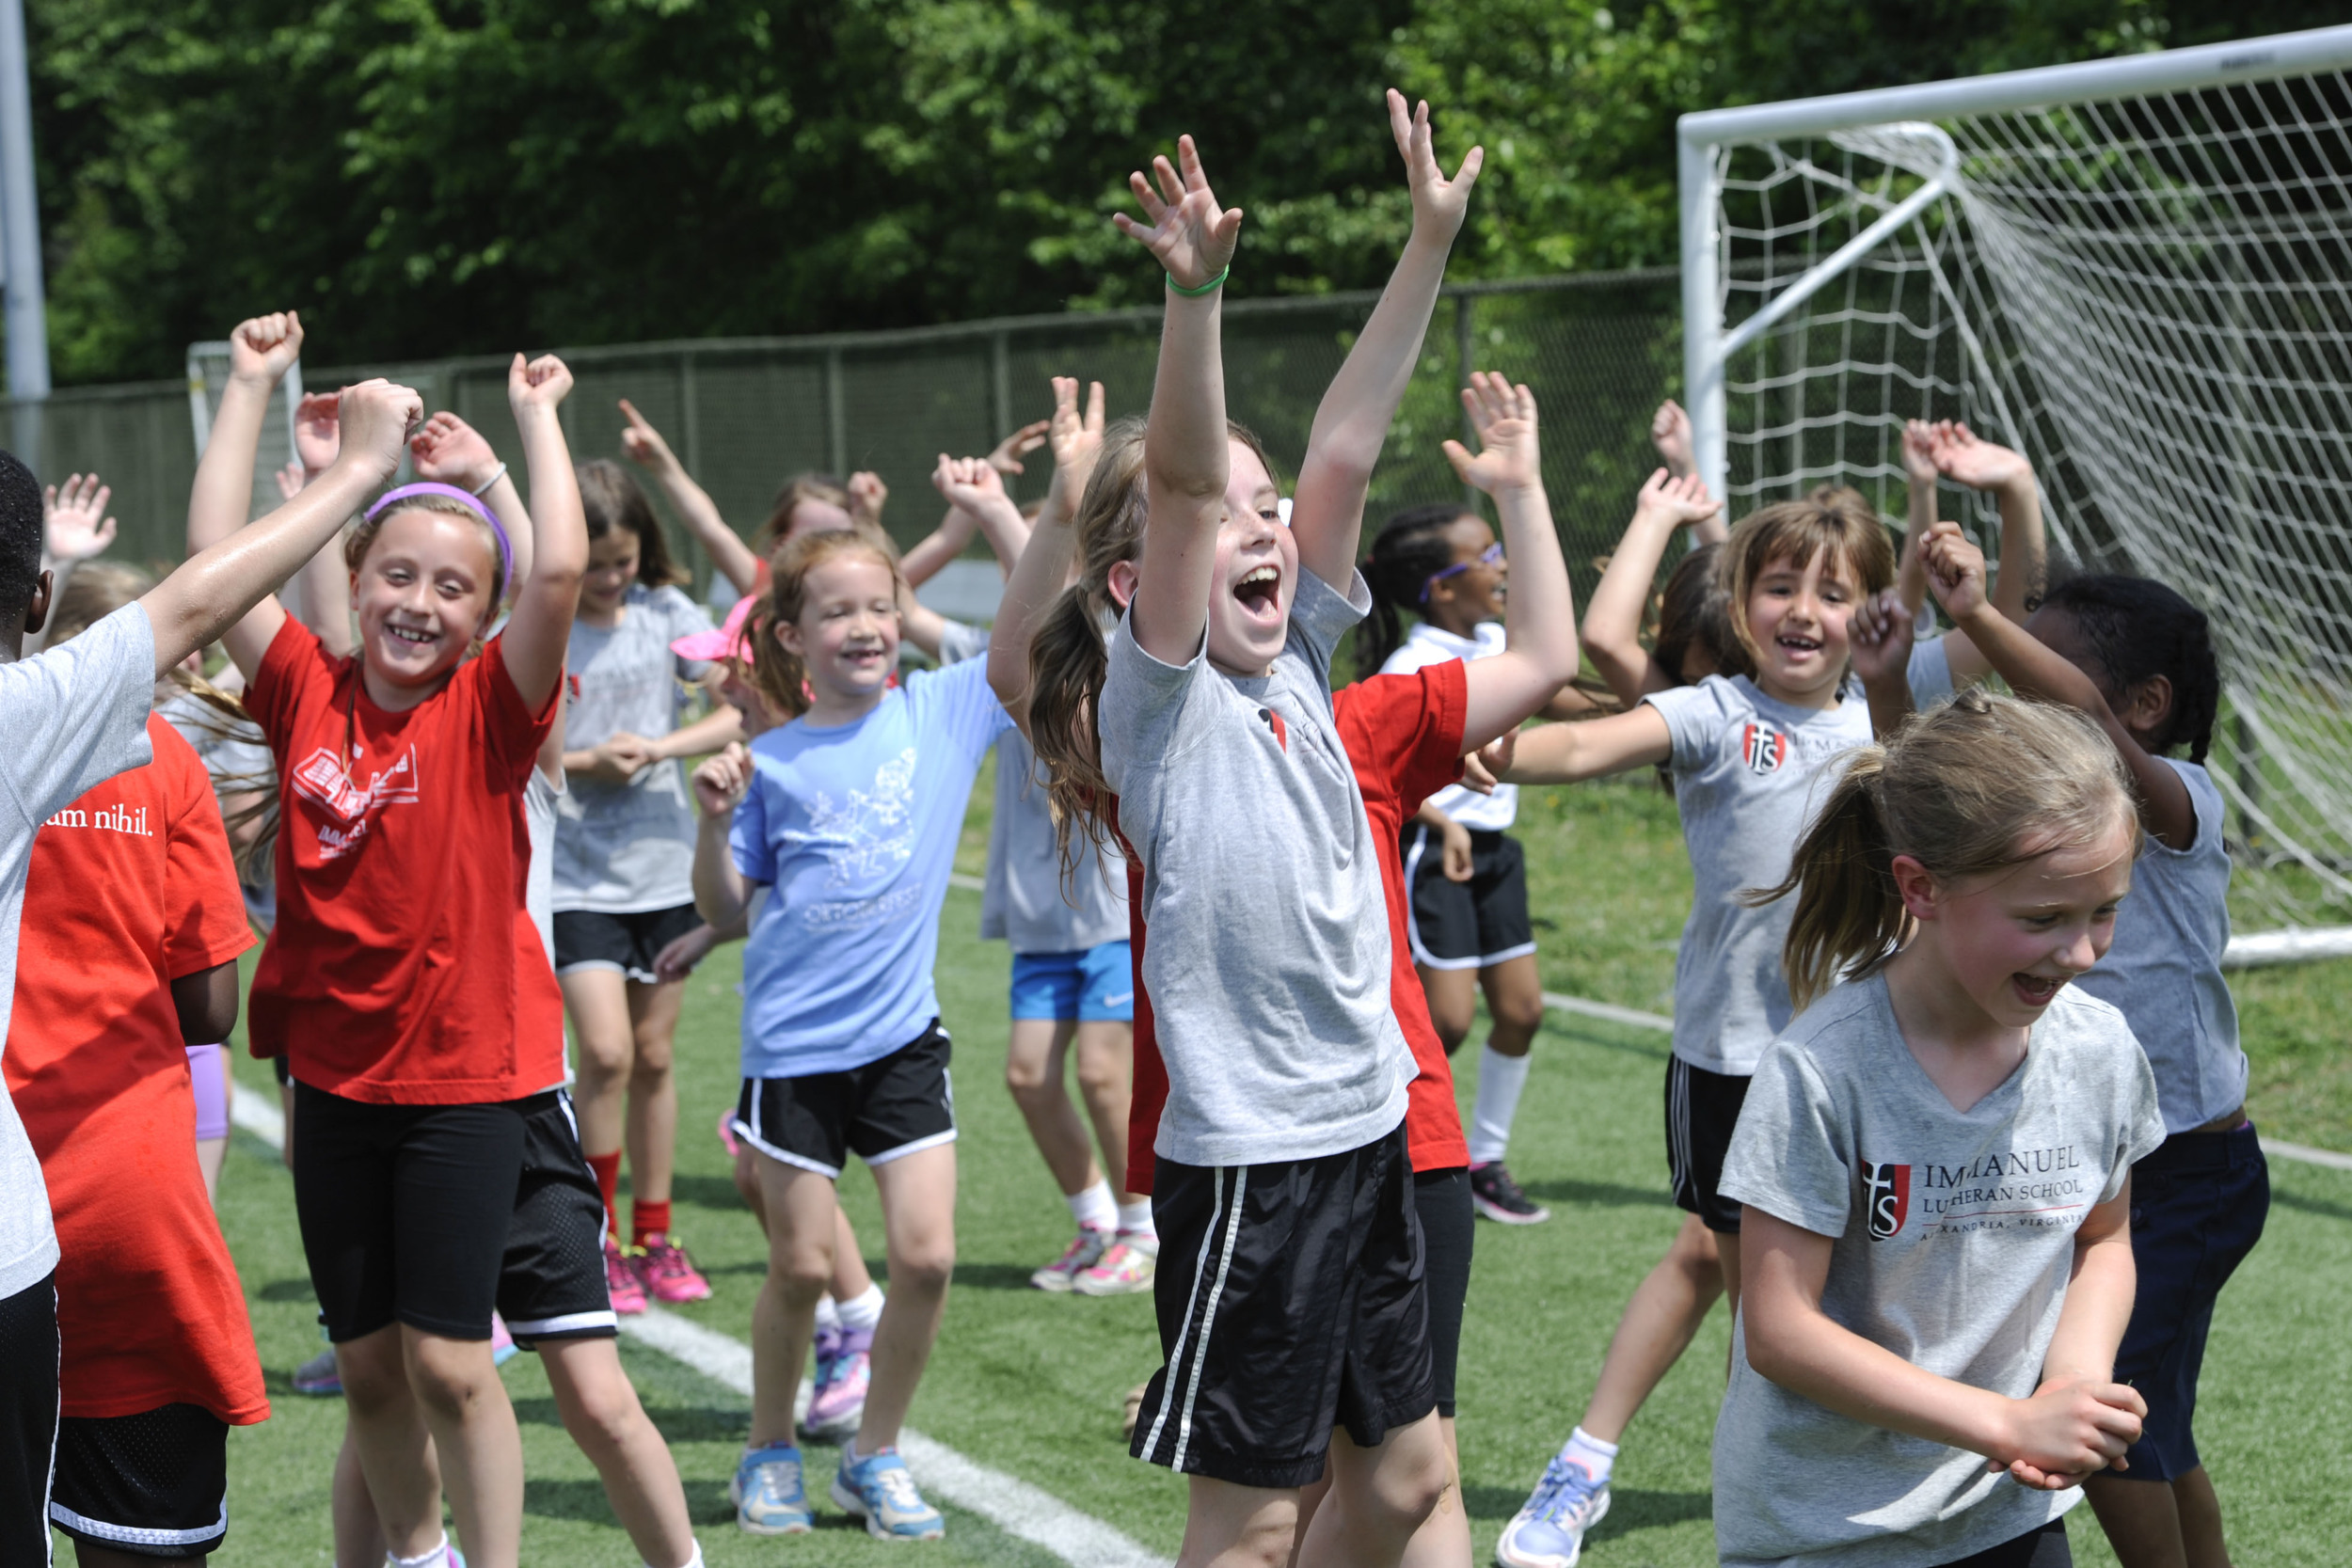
{"x": 607, "y": 1169}
{"x": 647, "y": 1218}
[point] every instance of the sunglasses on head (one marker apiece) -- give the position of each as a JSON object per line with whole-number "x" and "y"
{"x": 1490, "y": 556}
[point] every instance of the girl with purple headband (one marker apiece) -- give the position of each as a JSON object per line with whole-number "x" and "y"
{"x": 425, "y": 1034}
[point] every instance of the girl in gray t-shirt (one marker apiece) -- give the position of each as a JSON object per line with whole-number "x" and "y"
{"x": 1935, "y": 1160}
{"x": 2137, "y": 658}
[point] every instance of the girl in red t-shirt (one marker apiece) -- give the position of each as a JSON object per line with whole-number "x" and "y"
{"x": 404, "y": 979}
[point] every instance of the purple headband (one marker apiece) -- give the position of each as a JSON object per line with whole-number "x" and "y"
{"x": 472, "y": 503}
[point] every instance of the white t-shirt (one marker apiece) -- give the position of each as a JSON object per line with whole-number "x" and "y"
{"x": 1953, "y": 1239}
{"x": 70, "y": 718}
{"x": 1425, "y": 645}
{"x": 1749, "y": 773}
{"x": 2165, "y": 968}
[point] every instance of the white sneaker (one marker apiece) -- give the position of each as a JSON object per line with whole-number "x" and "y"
{"x": 1082, "y": 1253}
{"x": 1548, "y": 1532}
{"x": 1124, "y": 1270}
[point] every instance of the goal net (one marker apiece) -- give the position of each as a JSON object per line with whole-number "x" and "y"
{"x": 2138, "y": 272}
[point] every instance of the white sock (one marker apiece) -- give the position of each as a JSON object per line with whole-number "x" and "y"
{"x": 1591, "y": 1452}
{"x": 1094, "y": 1209}
{"x": 437, "y": 1558}
{"x": 828, "y": 1315}
{"x": 1135, "y": 1219}
{"x": 695, "y": 1561}
{"x": 863, "y": 1311}
{"x": 1500, "y": 1079}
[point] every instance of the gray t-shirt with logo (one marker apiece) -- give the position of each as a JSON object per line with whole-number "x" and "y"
{"x": 1954, "y": 1237}
{"x": 1748, "y": 772}
{"x": 627, "y": 848}
{"x": 2165, "y": 968}
{"x": 1268, "y": 963}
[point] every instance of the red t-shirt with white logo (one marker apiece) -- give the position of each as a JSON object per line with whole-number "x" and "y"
{"x": 1403, "y": 739}
{"x": 129, "y": 888}
{"x": 405, "y": 969}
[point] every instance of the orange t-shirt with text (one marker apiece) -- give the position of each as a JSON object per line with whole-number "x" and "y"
{"x": 404, "y": 969}
{"x": 129, "y": 889}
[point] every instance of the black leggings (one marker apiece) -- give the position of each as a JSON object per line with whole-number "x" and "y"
{"x": 28, "y": 1419}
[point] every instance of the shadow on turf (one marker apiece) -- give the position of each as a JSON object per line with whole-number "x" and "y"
{"x": 678, "y": 1423}
{"x": 1603, "y": 1194}
{"x": 1630, "y": 1509}
{"x": 286, "y": 1290}
{"x": 2289, "y": 1198}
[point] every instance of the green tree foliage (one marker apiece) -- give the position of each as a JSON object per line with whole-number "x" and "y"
{"x": 426, "y": 177}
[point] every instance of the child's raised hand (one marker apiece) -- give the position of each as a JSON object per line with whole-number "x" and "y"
{"x": 867, "y": 495}
{"x": 291, "y": 478}
{"x": 1676, "y": 502}
{"x": 1670, "y": 432}
{"x": 1505, "y": 418}
{"x": 1188, "y": 234}
{"x": 375, "y": 417}
{"x": 1077, "y": 438}
{"x": 73, "y": 521}
{"x": 540, "y": 384}
{"x": 1955, "y": 571}
{"x": 1878, "y": 638}
{"x": 968, "y": 483}
{"x": 265, "y": 348}
{"x": 1439, "y": 205}
{"x": 1964, "y": 458}
{"x": 317, "y": 432}
{"x": 720, "y": 780}
{"x": 448, "y": 450}
{"x": 1919, "y": 452}
{"x": 641, "y": 443}
{"x": 1006, "y": 458}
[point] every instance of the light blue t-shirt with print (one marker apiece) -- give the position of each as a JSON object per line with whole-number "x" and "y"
{"x": 855, "y": 827}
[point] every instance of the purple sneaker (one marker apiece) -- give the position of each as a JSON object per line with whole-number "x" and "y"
{"x": 839, "y": 1403}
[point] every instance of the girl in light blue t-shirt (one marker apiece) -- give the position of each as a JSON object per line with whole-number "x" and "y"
{"x": 848, "y": 816}
{"x": 2138, "y": 657}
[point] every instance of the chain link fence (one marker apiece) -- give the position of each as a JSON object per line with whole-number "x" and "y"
{"x": 745, "y": 415}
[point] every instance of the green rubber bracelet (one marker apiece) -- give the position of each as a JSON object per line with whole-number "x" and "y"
{"x": 1209, "y": 287}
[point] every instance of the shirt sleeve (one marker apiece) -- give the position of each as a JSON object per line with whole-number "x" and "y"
{"x": 204, "y": 920}
{"x": 1693, "y": 715}
{"x": 747, "y": 836}
{"x": 75, "y": 715}
{"x": 1142, "y": 705}
{"x": 961, "y": 701}
{"x": 1403, "y": 732}
{"x": 1788, "y": 1155}
{"x": 2141, "y": 1126}
{"x": 513, "y": 730}
{"x": 1322, "y": 614}
{"x": 1930, "y": 673}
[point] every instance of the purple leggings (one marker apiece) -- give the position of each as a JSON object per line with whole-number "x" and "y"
{"x": 208, "y": 1065}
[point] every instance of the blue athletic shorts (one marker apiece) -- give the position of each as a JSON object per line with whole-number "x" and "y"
{"x": 1094, "y": 986}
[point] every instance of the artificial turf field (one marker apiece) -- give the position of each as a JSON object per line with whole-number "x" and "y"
{"x": 1031, "y": 1385}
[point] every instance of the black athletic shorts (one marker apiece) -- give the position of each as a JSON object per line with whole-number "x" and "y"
{"x": 28, "y": 1419}
{"x": 625, "y": 943}
{"x": 1447, "y": 1224}
{"x": 884, "y": 1111}
{"x": 2045, "y": 1547}
{"x": 404, "y": 1208}
{"x": 1292, "y": 1298}
{"x": 154, "y": 1484}
{"x": 1472, "y": 925}
{"x": 551, "y": 1285}
{"x": 1702, "y": 1111}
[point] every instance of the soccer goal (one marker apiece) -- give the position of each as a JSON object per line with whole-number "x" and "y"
{"x": 2138, "y": 272}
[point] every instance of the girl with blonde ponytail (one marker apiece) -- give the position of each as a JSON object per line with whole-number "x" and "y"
{"x": 1934, "y": 1159}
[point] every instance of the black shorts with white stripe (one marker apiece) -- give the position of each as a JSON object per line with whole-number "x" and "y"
{"x": 154, "y": 1484}
{"x": 1292, "y": 1299}
{"x": 551, "y": 1280}
{"x": 1702, "y": 1111}
{"x": 892, "y": 1107}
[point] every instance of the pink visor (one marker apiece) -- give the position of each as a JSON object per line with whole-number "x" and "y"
{"x": 731, "y": 637}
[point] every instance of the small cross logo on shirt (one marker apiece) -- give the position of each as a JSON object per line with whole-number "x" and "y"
{"x": 1887, "y": 1197}
{"x": 1763, "y": 747}
{"x": 1274, "y": 722}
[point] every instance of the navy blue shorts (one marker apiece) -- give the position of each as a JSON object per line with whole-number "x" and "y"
{"x": 2198, "y": 1206}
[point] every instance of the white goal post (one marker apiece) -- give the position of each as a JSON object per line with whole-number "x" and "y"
{"x": 2138, "y": 272}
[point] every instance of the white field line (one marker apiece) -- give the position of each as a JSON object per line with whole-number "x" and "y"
{"x": 2278, "y": 1146}
{"x": 1011, "y": 1504}
{"x": 969, "y": 885}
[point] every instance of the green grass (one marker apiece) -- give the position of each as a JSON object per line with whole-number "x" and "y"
{"x": 1032, "y": 1385}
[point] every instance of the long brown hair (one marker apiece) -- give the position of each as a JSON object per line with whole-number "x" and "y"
{"x": 777, "y": 672}
{"x": 610, "y": 498}
{"x": 1977, "y": 785}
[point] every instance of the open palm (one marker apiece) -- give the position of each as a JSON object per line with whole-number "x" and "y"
{"x": 1503, "y": 417}
{"x": 1192, "y": 237}
{"x": 1438, "y": 203}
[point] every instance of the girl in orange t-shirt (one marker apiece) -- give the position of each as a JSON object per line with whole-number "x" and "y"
{"x": 424, "y": 1031}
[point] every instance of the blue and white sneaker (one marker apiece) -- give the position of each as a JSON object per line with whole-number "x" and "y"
{"x": 1548, "y": 1532}
{"x": 768, "y": 1493}
{"x": 878, "y": 1489}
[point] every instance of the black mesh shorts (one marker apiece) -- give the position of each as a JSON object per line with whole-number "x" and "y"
{"x": 154, "y": 1484}
{"x": 1702, "y": 1111}
{"x": 1291, "y": 1299}
{"x": 551, "y": 1283}
{"x": 626, "y": 943}
{"x": 881, "y": 1112}
{"x": 28, "y": 1419}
